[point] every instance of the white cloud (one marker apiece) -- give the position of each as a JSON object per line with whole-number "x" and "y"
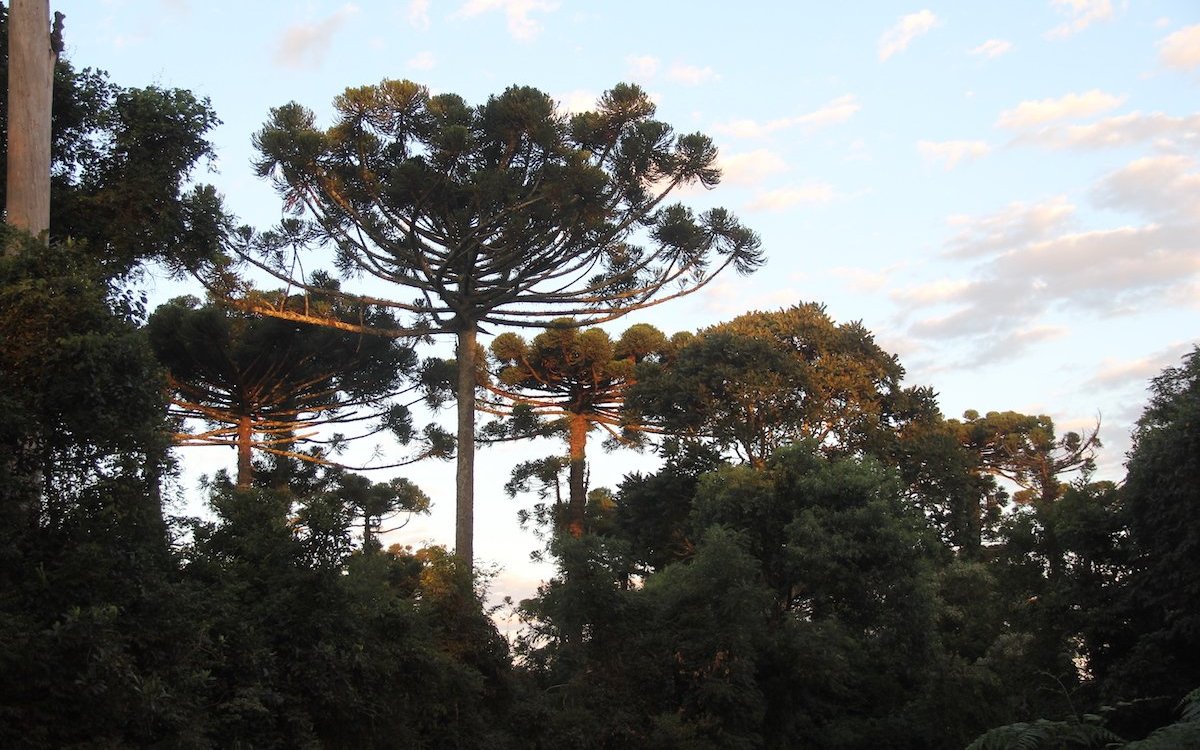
{"x": 1070, "y": 106}
{"x": 1028, "y": 261}
{"x": 517, "y": 13}
{"x": 579, "y": 100}
{"x": 726, "y": 298}
{"x": 1181, "y": 50}
{"x": 690, "y": 75}
{"x": 932, "y": 293}
{"x": 642, "y": 66}
{"x": 1167, "y": 133}
{"x": 421, "y": 61}
{"x": 1018, "y": 224}
{"x": 950, "y": 153}
{"x": 858, "y": 151}
{"x": 1082, "y": 13}
{"x": 749, "y": 167}
{"x": 418, "y": 14}
{"x": 908, "y": 28}
{"x": 993, "y": 48}
{"x": 132, "y": 40}
{"x": 1019, "y": 340}
{"x": 1161, "y": 188}
{"x": 836, "y": 111}
{"x": 860, "y": 279}
{"x": 1118, "y": 372}
{"x": 304, "y": 45}
{"x": 785, "y": 198}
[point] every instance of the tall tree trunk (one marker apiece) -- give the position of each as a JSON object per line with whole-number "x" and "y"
{"x": 577, "y": 503}
{"x": 464, "y": 478}
{"x": 245, "y": 437}
{"x": 30, "y": 85}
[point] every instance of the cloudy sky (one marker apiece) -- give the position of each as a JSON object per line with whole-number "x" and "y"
{"x": 1007, "y": 194}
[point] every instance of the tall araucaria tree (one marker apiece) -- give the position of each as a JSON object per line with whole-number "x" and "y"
{"x": 577, "y": 379}
{"x": 509, "y": 213}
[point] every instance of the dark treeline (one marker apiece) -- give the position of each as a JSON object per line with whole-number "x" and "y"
{"x": 822, "y": 559}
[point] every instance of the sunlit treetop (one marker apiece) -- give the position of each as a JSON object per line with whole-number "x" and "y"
{"x": 510, "y": 212}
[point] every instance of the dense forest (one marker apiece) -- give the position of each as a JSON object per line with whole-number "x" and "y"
{"x": 821, "y": 560}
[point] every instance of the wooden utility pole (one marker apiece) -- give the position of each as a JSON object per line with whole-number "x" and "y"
{"x": 31, "y": 58}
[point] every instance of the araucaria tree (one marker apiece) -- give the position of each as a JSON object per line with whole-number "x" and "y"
{"x": 264, "y": 384}
{"x": 577, "y": 379}
{"x": 509, "y": 213}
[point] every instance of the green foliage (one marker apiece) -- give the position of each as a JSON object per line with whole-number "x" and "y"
{"x": 1091, "y": 733}
{"x": 652, "y": 510}
{"x": 1024, "y": 450}
{"x": 1162, "y": 596}
{"x": 570, "y": 381}
{"x": 766, "y": 380}
{"x": 558, "y": 195}
{"x": 120, "y": 162}
{"x": 505, "y": 213}
{"x": 80, "y": 389}
{"x": 269, "y": 384}
{"x": 1046, "y": 735}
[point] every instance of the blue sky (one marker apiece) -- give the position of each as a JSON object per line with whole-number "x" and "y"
{"x": 1007, "y": 194}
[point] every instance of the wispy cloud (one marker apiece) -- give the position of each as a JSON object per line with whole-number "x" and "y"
{"x": 305, "y": 45}
{"x": 518, "y": 14}
{"x": 418, "y": 14}
{"x": 836, "y": 111}
{"x": 691, "y": 75}
{"x": 993, "y": 48}
{"x": 421, "y": 61}
{"x": 782, "y": 199}
{"x": 1071, "y": 106}
{"x": 1181, "y": 50}
{"x": 950, "y": 153}
{"x": 1131, "y": 372}
{"x": 578, "y": 100}
{"x": 908, "y": 28}
{"x": 1031, "y": 260}
{"x": 1020, "y": 340}
{"x": 749, "y": 167}
{"x": 861, "y": 280}
{"x": 1164, "y": 132}
{"x": 932, "y": 292}
{"x": 1081, "y": 14}
{"x": 1163, "y": 188}
{"x": 1018, "y": 224}
{"x": 642, "y": 67}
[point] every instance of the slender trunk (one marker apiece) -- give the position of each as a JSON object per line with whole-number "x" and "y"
{"x": 245, "y": 470}
{"x": 577, "y": 502}
{"x": 464, "y": 527}
{"x": 30, "y": 84}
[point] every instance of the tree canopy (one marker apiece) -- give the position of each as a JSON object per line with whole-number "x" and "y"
{"x": 272, "y": 385}
{"x": 768, "y": 379}
{"x": 575, "y": 379}
{"x": 508, "y": 213}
